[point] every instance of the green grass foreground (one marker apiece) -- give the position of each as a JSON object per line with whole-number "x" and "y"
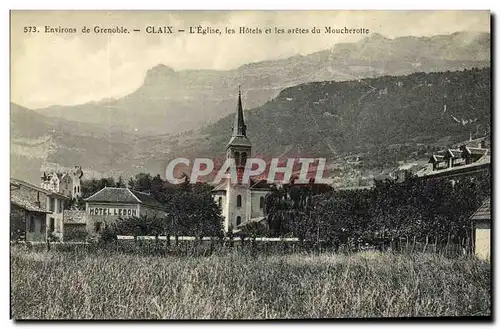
{"x": 73, "y": 285}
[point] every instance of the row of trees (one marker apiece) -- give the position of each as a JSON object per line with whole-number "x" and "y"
{"x": 419, "y": 209}
{"x": 416, "y": 208}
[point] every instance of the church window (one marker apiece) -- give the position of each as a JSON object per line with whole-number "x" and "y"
{"x": 261, "y": 202}
{"x": 220, "y": 201}
{"x": 78, "y": 189}
{"x": 74, "y": 189}
{"x": 238, "y": 201}
{"x": 243, "y": 158}
{"x": 238, "y": 220}
{"x": 237, "y": 157}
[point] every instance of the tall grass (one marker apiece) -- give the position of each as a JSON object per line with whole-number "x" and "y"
{"x": 77, "y": 285}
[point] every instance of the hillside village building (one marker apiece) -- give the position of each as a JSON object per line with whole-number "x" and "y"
{"x": 67, "y": 183}
{"x": 240, "y": 202}
{"x": 39, "y": 210}
{"x": 467, "y": 158}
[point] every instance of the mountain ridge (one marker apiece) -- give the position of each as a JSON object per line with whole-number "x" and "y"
{"x": 181, "y": 100}
{"x": 384, "y": 120}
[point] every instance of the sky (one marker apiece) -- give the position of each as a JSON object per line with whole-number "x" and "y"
{"x": 74, "y": 68}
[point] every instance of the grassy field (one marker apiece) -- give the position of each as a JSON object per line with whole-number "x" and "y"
{"x": 73, "y": 285}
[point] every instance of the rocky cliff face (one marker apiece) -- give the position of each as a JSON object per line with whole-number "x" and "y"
{"x": 174, "y": 101}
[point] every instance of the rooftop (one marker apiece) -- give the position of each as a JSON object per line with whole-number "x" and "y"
{"x": 26, "y": 204}
{"x": 123, "y": 195}
{"x": 484, "y": 212}
{"x": 454, "y": 153}
{"x": 476, "y": 150}
{"x": 18, "y": 182}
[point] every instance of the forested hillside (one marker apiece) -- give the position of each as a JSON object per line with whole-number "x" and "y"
{"x": 387, "y": 117}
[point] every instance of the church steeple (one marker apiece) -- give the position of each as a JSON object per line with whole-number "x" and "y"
{"x": 239, "y": 126}
{"x": 239, "y": 135}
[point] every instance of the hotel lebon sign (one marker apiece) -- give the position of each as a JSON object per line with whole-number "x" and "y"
{"x": 111, "y": 211}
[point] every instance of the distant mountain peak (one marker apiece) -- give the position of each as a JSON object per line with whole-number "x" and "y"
{"x": 158, "y": 73}
{"x": 376, "y": 36}
{"x": 171, "y": 101}
{"x": 161, "y": 68}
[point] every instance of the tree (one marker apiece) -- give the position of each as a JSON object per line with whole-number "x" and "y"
{"x": 143, "y": 182}
{"x": 120, "y": 182}
{"x": 131, "y": 183}
{"x": 142, "y": 225}
{"x": 193, "y": 213}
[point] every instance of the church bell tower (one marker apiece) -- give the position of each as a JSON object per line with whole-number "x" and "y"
{"x": 238, "y": 194}
{"x": 239, "y": 147}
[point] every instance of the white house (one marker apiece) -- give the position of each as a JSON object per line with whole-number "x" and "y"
{"x": 240, "y": 201}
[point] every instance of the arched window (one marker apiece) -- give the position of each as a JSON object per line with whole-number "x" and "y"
{"x": 243, "y": 158}
{"x": 237, "y": 157}
{"x": 238, "y": 220}
{"x": 261, "y": 202}
{"x": 238, "y": 201}
{"x": 220, "y": 202}
{"x": 74, "y": 188}
{"x": 78, "y": 189}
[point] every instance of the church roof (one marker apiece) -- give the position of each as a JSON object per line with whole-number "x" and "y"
{"x": 221, "y": 187}
{"x": 239, "y": 141}
{"x": 260, "y": 184}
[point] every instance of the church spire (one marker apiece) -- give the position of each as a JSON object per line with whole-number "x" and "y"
{"x": 239, "y": 137}
{"x": 239, "y": 127}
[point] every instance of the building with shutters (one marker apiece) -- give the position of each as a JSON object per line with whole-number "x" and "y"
{"x": 467, "y": 158}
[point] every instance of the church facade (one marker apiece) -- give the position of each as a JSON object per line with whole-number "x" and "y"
{"x": 240, "y": 201}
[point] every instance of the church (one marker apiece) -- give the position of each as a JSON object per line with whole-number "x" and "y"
{"x": 239, "y": 201}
